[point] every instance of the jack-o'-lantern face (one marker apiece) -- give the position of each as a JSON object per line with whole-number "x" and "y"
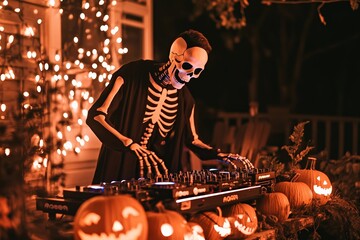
{"x": 194, "y": 232}
{"x": 110, "y": 217}
{"x": 223, "y": 229}
{"x": 318, "y": 182}
{"x": 245, "y": 224}
{"x": 245, "y": 220}
{"x": 322, "y": 185}
{"x": 215, "y": 226}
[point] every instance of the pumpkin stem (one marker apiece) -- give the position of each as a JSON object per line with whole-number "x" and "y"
{"x": 311, "y": 163}
{"x": 160, "y": 206}
{"x": 295, "y": 177}
{"x": 219, "y": 211}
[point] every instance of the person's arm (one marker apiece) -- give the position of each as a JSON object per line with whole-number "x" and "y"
{"x": 202, "y": 150}
{"x": 99, "y": 120}
{"x": 206, "y": 152}
{"x": 98, "y": 116}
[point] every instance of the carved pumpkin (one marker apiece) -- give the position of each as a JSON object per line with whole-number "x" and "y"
{"x": 194, "y": 232}
{"x": 244, "y": 221}
{"x": 274, "y": 203}
{"x": 214, "y": 224}
{"x": 318, "y": 181}
{"x": 111, "y": 217}
{"x": 166, "y": 224}
{"x": 298, "y": 193}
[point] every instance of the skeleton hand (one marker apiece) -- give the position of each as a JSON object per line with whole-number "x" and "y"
{"x": 236, "y": 158}
{"x": 150, "y": 159}
{"x": 232, "y": 159}
{"x": 225, "y": 158}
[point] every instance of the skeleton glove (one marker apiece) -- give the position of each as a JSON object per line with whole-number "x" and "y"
{"x": 225, "y": 158}
{"x": 235, "y": 160}
{"x": 149, "y": 158}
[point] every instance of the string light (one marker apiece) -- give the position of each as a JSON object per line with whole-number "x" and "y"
{"x": 3, "y": 107}
{"x": 29, "y": 31}
{"x": 51, "y": 3}
{"x": 57, "y": 56}
{"x": 7, "y": 151}
{"x": 55, "y": 75}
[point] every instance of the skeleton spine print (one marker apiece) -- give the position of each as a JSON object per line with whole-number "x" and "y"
{"x": 161, "y": 110}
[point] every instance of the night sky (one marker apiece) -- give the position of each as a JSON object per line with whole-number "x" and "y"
{"x": 329, "y": 82}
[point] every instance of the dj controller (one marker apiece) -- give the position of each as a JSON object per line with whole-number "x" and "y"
{"x": 186, "y": 192}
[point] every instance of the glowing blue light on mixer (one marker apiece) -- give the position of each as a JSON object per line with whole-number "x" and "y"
{"x": 164, "y": 183}
{"x": 95, "y": 187}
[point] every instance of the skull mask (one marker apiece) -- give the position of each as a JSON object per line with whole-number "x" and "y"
{"x": 186, "y": 63}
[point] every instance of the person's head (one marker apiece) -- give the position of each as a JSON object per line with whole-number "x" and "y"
{"x": 188, "y": 56}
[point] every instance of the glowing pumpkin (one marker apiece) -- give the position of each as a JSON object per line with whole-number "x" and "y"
{"x": 274, "y": 203}
{"x": 244, "y": 221}
{"x": 166, "y": 224}
{"x": 110, "y": 217}
{"x": 318, "y": 181}
{"x": 214, "y": 224}
{"x": 298, "y": 193}
{"x": 194, "y": 232}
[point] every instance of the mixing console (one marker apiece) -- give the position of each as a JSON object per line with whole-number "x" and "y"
{"x": 186, "y": 192}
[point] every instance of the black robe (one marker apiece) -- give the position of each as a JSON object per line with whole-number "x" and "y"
{"x": 126, "y": 114}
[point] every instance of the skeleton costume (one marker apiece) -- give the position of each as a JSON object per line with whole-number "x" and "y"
{"x": 145, "y": 116}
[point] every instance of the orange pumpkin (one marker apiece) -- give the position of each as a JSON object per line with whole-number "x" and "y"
{"x": 166, "y": 224}
{"x": 110, "y": 217}
{"x": 298, "y": 193}
{"x": 214, "y": 224}
{"x": 274, "y": 203}
{"x": 318, "y": 181}
{"x": 244, "y": 221}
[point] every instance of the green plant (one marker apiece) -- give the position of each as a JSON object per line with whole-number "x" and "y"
{"x": 339, "y": 217}
{"x": 297, "y": 151}
{"x": 344, "y": 174}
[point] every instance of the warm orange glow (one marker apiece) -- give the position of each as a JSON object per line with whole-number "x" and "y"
{"x": 7, "y": 151}
{"x": 167, "y": 230}
{"x": 29, "y": 31}
{"x": 51, "y": 3}
{"x": 75, "y": 97}
{"x": 57, "y": 56}
{"x": 3, "y": 107}
{"x": 224, "y": 230}
{"x": 86, "y": 5}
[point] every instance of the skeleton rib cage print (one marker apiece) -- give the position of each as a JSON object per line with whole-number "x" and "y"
{"x": 161, "y": 109}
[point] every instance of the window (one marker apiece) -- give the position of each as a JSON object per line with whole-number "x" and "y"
{"x": 134, "y": 20}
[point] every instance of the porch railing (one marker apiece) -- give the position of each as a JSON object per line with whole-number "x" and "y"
{"x": 333, "y": 134}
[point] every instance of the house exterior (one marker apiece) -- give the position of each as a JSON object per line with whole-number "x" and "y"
{"x": 56, "y": 57}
